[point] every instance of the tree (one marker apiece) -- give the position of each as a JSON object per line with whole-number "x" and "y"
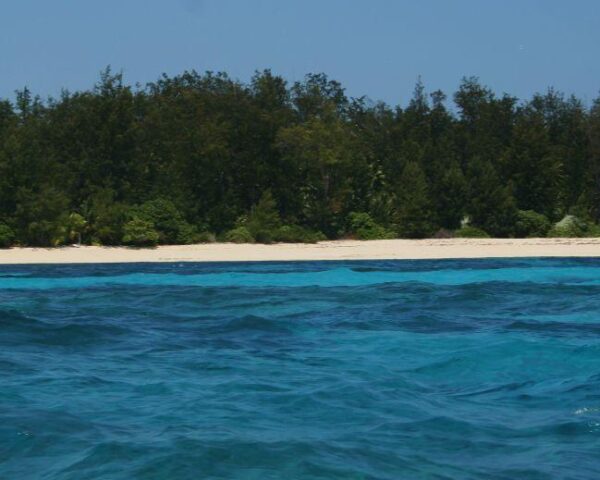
{"x": 593, "y": 184}
{"x": 264, "y": 217}
{"x": 318, "y": 152}
{"x": 76, "y": 225}
{"x": 492, "y": 206}
{"x": 7, "y": 236}
{"x": 414, "y": 213}
{"x": 451, "y": 197}
{"x": 41, "y": 216}
{"x": 202, "y": 152}
{"x": 535, "y": 166}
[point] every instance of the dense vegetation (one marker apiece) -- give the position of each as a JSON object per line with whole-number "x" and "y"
{"x": 202, "y": 157}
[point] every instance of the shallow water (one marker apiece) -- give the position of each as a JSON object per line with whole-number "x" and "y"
{"x": 318, "y": 370}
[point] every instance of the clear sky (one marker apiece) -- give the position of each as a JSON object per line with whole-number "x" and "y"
{"x": 374, "y": 47}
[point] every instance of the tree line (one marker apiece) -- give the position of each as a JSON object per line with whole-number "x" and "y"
{"x": 203, "y": 157}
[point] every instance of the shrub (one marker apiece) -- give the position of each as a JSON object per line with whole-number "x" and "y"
{"x": 263, "y": 236}
{"x": 297, "y": 234}
{"x": 107, "y": 226}
{"x": 593, "y": 230}
{"x": 363, "y": 227}
{"x": 48, "y": 233}
{"x": 264, "y": 217}
{"x": 531, "y": 224}
{"x": 205, "y": 237}
{"x": 443, "y": 233}
{"x": 41, "y": 216}
{"x": 470, "y": 232}
{"x": 140, "y": 233}
{"x": 239, "y": 235}
{"x": 76, "y": 226}
{"x": 187, "y": 234}
{"x": 260, "y": 225}
{"x": 105, "y": 216}
{"x": 569, "y": 226}
{"x": 168, "y": 221}
{"x": 7, "y": 236}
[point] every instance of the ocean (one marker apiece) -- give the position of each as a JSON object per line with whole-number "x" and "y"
{"x": 450, "y": 369}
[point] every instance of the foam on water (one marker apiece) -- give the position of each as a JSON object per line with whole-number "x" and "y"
{"x": 372, "y": 370}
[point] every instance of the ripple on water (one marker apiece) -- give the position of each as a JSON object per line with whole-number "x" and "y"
{"x": 308, "y": 370}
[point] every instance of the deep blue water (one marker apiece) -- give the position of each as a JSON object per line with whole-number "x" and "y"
{"x": 480, "y": 369}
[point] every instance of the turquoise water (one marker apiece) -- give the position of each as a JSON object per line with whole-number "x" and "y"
{"x": 318, "y": 370}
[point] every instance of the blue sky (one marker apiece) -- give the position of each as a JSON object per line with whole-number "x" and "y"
{"x": 374, "y": 47}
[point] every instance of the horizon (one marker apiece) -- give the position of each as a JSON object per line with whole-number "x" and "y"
{"x": 377, "y": 51}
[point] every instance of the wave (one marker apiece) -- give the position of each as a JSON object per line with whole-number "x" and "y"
{"x": 337, "y": 277}
{"x": 380, "y": 371}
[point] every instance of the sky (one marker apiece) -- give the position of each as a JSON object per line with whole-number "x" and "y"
{"x": 376, "y": 48}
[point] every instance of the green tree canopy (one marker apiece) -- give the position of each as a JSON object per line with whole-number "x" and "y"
{"x": 197, "y": 155}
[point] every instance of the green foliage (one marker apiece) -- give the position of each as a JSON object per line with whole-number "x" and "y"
{"x": 492, "y": 207}
{"x": 194, "y": 152}
{"x": 264, "y": 219}
{"x": 451, "y": 197}
{"x": 239, "y": 235}
{"x": 42, "y": 216}
{"x": 531, "y": 224}
{"x": 264, "y": 216}
{"x": 7, "y": 236}
{"x": 204, "y": 237}
{"x": 593, "y": 230}
{"x": 363, "y": 227}
{"x": 470, "y": 232}
{"x": 569, "y": 226}
{"x": 168, "y": 221}
{"x": 297, "y": 234}
{"x": 76, "y": 225}
{"x": 414, "y": 211}
{"x": 140, "y": 233}
{"x": 106, "y": 217}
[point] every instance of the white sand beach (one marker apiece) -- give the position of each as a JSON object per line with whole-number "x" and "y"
{"x": 330, "y": 250}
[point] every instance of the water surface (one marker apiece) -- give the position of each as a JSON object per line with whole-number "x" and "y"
{"x": 308, "y": 370}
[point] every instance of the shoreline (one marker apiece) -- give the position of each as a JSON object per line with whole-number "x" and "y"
{"x": 397, "y": 249}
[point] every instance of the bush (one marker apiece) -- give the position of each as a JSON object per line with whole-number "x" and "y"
{"x": 531, "y": 224}
{"x": 264, "y": 216}
{"x": 7, "y": 236}
{"x": 48, "y": 233}
{"x": 239, "y": 235}
{"x": 41, "y": 216}
{"x": 107, "y": 226}
{"x": 205, "y": 237}
{"x": 470, "y": 232}
{"x": 569, "y": 226}
{"x": 363, "y": 227}
{"x": 76, "y": 226}
{"x": 168, "y": 221}
{"x": 186, "y": 235}
{"x": 260, "y": 225}
{"x": 140, "y": 233}
{"x": 593, "y": 230}
{"x": 263, "y": 236}
{"x": 297, "y": 234}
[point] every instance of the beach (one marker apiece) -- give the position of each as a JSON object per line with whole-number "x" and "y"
{"x": 329, "y": 250}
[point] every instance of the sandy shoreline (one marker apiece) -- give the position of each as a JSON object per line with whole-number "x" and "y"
{"x": 332, "y": 250}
